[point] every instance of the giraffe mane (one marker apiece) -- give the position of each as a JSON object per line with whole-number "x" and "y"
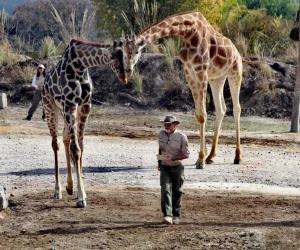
{"x": 178, "y": 14}
{"x": 100, "y": 45}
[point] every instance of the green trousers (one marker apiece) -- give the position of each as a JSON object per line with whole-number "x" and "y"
{"x": 171, "y": 182}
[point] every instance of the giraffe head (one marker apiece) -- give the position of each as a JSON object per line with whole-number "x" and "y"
{"x": 132, "y": 52}
{"x": 118, "y": 65}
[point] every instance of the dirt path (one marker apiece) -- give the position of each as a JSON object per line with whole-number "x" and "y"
{"x": 254, "y": 205}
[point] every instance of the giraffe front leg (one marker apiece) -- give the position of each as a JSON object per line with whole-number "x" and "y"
{"x": 201, "y": 118}
{"x": 66, "y": 139}
{"x": 70, "y": 119}
{"x": 83, "y": 115}
{"x": 58, "y": 192}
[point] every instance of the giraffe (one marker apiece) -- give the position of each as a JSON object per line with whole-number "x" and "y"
{"x": 208, "y": 57}
{"x": 68, "y": 90}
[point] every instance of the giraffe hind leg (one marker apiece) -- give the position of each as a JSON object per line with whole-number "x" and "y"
{"x": 51, "y": 112}
{"x": 217, "y": 87}
{"x": 235, "y": 80}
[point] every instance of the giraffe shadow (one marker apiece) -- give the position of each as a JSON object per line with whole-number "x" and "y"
{"x": 86, "y": 170}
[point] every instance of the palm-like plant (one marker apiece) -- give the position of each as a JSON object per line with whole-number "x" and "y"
{"x": 70, "y": 30}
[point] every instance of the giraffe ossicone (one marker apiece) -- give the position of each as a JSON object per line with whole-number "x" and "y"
{"x": 68, "y": 90}
{"x": 208, "y": 57}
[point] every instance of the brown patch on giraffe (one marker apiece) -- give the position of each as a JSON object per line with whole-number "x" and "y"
{"x": 163, "y": 25}
{"x": 176, "y": 23}
{"x": 188, "y": 22}
{"x": 191, "y": 53}
{"x": 195, "y": 40}
{"x": 163, "y": 33}
{"x": 173, "y": 31}
{"x": 183, "y": 55}
{"x": 219, "y": 61}
{"x": 213, "y": 41}
{"x": 197, "y": 59}
{"x": 154, "y": 29}
{"x": 80, "y": 54}
{"x": 188, "y": 34}
{"x": 221, "y": 52}
{"x": 199, "y": 68}
{"x": 235, "y": 66}
{"x": 212, "y": 51}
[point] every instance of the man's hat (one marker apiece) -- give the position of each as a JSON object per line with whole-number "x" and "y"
{"x": 170, "y": 119}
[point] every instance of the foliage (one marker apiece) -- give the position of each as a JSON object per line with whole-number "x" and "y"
{"x": 145, "y": 13}
{"x": 170, "y": 48}
{"x": 284, "y": 8}
{"x": 74, "y": 29}
{"x": 34, "y": 21}
{"x": 211, "y": 9}
{"x": 110, "y": 19}
{"x": 7, "y": 56}
{"x": 48, "y": 48}
{"x": 24, "y": 75}
{"x": 262, "y": 34}
{"x": 138, "y": 82}
{"x": 5, "y": 25}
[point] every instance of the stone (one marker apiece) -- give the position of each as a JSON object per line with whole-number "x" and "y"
{"x": 3, "y": 199}
{"x": 3, "y": 101}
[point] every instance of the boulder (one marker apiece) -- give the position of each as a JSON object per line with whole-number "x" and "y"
{"x": 3, "y": 199}
{"x": 3, "y": 101}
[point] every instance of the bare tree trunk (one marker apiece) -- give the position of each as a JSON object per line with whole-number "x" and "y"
{"x": 296, "y": 101}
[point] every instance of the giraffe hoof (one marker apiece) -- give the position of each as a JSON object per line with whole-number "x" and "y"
{"x": 81, "y": 204}
{"x": 209, "y": 161}
{"x": 199, "y": 165}
{"x": 237, "y": 161}
{"x": 69, "y": 190}
{"x": 57, "y": 196}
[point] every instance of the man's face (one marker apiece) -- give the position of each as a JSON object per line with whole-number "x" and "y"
{"x": 170, "y": 127}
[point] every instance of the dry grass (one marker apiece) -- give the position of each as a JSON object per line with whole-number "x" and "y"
{"x": 7, "y": 56}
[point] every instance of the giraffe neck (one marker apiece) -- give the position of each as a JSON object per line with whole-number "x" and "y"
{"x": 183, "y": 25}
{"x": 85, "y": 55}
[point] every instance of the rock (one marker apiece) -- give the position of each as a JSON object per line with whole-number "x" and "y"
{"x": 3, "y": 199}
{"x": 3, "y": 101}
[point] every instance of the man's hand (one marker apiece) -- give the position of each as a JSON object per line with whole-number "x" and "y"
{"x": 167, "y": 158}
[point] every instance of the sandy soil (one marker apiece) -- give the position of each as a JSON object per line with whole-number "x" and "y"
{"x": 254, "y": 205}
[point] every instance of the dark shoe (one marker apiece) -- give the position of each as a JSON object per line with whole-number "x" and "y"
{"x": 28, "y": 118}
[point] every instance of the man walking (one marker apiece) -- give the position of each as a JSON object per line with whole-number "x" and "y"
{"x": 173, "y": 147}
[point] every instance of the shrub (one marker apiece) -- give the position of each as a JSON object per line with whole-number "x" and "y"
{"x": 23, "y": 75}
{"x": 170, "y": 48}
{"x": 48, "y": 48}
{"x": 7, "y": 56}
{"x": 138, "y": 82}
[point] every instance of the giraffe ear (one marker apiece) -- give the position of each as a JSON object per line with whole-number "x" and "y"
{"x": 115, "y": 44}
{"x": 141, "y": 43}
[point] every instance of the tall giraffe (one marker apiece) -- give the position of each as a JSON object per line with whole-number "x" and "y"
{"x": 207, "y": 57}
{"x": 68, "y": 90}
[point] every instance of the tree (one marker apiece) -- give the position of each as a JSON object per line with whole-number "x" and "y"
{"x": 34, "y": 20}
{"x": 296, "y": 101}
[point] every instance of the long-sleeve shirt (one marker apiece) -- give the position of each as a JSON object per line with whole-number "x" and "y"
{"x": 175, "y": 144}
{"x": 38, "y": 82}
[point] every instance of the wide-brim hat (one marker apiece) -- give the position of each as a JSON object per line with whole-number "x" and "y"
{"x": 170, "y": 119}
{"x": 41, "y": 66}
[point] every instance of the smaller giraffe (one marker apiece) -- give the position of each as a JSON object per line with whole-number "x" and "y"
{"x": 208, "y": 57}
{"x": 68, "y": 90}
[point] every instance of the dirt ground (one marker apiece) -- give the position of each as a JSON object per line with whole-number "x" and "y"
{"x": 255, "y": 205}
